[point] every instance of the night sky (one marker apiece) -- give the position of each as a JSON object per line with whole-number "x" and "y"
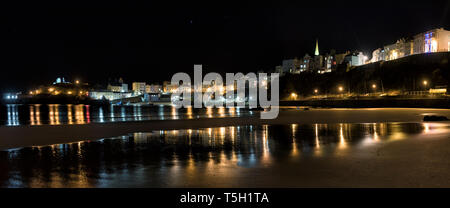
{"x": 149, "y": 42}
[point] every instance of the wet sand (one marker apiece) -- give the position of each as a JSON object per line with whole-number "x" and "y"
{"x": 414, "y": 162}
{"x": 21, "y": 136}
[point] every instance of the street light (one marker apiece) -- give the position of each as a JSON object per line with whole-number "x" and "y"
{"x": 294, "y": 95}
{"x": 340, "y": 88}
{"x": 77, "y": 81}
{"x": 316, "y": 91}
{"x": 425, "y": 82}
{"x": 374, "y": 86}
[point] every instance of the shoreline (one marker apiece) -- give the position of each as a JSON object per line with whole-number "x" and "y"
{"x": 391, "y": 102}
{"x": 25, "y": 136}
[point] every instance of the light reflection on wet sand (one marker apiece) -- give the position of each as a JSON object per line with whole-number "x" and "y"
{"x": 234, "y": 156}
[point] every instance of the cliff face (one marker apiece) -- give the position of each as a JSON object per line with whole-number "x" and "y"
{"x": 404, "y": 74}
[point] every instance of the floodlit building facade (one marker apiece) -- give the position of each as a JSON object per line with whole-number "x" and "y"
{"x": 109, "y": 95}
{"x": 153, "y": 88}
{"x": 436, "y": 40}
{"x": 138, "y": 87}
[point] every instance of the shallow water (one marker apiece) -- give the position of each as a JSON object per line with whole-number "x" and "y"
{"x": 235, "y": 156}
{"x": 59, "y": 114}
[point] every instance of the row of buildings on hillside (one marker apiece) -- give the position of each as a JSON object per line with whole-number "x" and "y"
{"x": 436, "y": 40}
{"x": 115, "y": 90}
{"x": 119, "y": 90}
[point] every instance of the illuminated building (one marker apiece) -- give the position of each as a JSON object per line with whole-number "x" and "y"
{"x": 118, "y": 87}
{"x": 139, "y": 87}
{"x": 403, "y": 47}
{"x": 378, "y": 55}
{"x": 11, "y": 96}
{"x": 168, "y": 87}
{"x": 108, "y": 95}
{"x": 153, "y": 88}
{"x": 437, "y": 40}
{"x": 291, "y": 66}
{"x": 355, "y": 59}
{"x": 60, "y": 80}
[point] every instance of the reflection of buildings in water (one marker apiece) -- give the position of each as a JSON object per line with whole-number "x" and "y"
{"x": 122, "y": 113}
{"x": 140, "y": 137}
{"x": 54, "y": 114}
{"x": 426, "y": 128}
{"x": 222, "y": 135}
{"x": 294, "y": 142}
{"x": 434, "y": 128}
{"x": 370, "y": 134}
{"x": 101, "y": 117}
{"x": 342, "y": 142}
{"x": 35, "y": 114}
{"x": 69, "y": 114}
{"x": 395, "y": 132}
{"x": 211, "y": 139}
{"x": 209, "y": 112}
{"x": 79, "y": 150}
{"x": 137, "y": 112}
{"x": 233, "y": 135}
{"x": 316, "y": 135}
{"x": 111, "y": 114}
{"x": 189, "y": 112}
{"x": 13, "y": 115}
{"x": 255, "y": 146}
{"x": 317, "y": 128}
{"x": 375, "y": 132}
{"x": 190, "y": 137}
{"x": 161, "y": 112}
{"x": 221, "y": 111}
{"x": 79, "y": 114}
{"x": 265, "y": 141}
{"x": 174, "y": 112}
{"x": 232, "y": 111}
{"x": 88, "y": 114}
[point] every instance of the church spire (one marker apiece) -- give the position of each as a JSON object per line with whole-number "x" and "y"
{"x": 316, "y": 53}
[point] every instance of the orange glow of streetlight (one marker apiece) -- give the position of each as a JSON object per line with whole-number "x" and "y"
{"x": 294, "y": 95}
{"x": 374, "y": 86}
{"x": 316, "y": 91}
{"x": 425, "y": 82}
{"x": 77, "y": 82}
{"x": 341, "y": 88}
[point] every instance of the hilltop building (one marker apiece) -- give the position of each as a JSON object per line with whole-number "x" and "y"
{"x": 436, "y": 40}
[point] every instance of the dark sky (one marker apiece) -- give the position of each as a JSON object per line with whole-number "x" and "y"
{"x": 149, "y": 42}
